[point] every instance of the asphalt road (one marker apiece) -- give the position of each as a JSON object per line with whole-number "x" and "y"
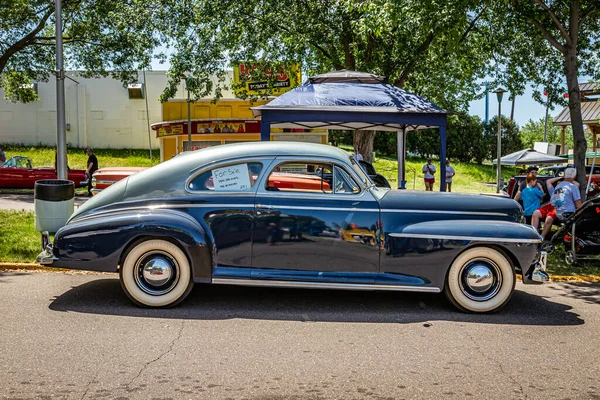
{"x": 77, "y": 336}
{"x": 24, "y": 201}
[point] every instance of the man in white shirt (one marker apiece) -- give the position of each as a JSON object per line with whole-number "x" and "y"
{"x": 429, "y": 171}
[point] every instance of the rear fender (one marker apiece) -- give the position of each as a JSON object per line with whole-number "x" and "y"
{"x": 98, "y": 242}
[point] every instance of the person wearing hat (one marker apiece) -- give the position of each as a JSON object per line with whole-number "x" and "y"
{"x": 92, "y": 166}
{"x": 531, "y": 170}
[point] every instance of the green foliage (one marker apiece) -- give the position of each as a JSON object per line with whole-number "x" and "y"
{"x": 510, "y": 139}
{"x": 101, "y": 38}
{"x": 533, "y": 131}
{"x": 432, "y": 49}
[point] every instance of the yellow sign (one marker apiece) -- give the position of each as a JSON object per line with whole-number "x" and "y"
{"x": 169, "y": 130}
{"x": 284, "y": 81}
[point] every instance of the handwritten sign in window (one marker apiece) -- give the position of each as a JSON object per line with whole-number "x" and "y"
{"x": 234, "y": 178}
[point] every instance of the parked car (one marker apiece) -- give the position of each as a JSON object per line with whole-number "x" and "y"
{"x": 211, "y": 216}
{"x": 104, "y": 177}
{"x": 18, "y": 173}
{"x": 553, "y": 172}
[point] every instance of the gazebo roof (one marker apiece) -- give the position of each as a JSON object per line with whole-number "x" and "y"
{"x": 354, "y": 93}
{"x": 590, "y": 106}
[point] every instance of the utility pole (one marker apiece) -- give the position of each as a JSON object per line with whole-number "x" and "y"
{"x": 61, "y": 135}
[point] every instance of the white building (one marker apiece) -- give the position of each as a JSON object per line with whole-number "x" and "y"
{"x": 99, "y": 113}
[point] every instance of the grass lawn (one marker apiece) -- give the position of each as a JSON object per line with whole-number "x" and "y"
{"x": 19, "y": 241}
{"x": 44, "y": 156}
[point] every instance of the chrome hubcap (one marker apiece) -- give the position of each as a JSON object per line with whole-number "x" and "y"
{"x": 480, "y": 279}
{"x": 156, "y": 273}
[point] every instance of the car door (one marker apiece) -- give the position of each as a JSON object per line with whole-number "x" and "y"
{"x": 223, "y": 199}
{"x": 315, "y": 221}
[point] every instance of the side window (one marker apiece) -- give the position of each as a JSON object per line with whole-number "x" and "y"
{"x": 297, "y": 176}
{"x": 343, "y": 182}
{"x": 310, "y": 177}
{"x": 230, "y": 178}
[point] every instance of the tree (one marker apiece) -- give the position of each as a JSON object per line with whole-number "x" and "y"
{"x": 546, "y": 42}
{"x": 101, "y": 37}
{"x": 430, "y": 48}
{"x": 510, "y": 139}
{"x": 533, "y": 131}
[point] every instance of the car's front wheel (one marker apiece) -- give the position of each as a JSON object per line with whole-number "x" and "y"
{"x": 156, "y": 273}
{"x": 480, "y": 279}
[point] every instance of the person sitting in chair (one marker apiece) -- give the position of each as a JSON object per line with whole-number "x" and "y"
{"x": 565, "y": 199}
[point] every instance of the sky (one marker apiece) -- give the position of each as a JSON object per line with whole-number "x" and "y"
{"x": 526, "y": 108}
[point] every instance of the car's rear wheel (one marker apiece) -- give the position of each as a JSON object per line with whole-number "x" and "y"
{"x": 156, "y": 273}
{"x": 480, "y": 279}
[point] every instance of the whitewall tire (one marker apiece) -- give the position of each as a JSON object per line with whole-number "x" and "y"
{"x": 156, "y": 273}
{"x": 480, "y": 279}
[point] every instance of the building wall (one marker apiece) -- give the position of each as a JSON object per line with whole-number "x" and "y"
{"x": 98, "y": 113}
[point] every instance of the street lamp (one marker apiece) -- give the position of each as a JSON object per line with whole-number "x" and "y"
{"x": 499, "y": 93}
{"x": 189, "y": 114}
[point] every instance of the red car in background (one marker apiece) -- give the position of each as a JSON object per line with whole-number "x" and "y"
{"x": 18, "y": 173}
{"x": 553, "y": 172}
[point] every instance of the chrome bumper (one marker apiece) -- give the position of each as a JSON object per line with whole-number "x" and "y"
{"x": 46, "y": 257}
{"x": 533, "y": 275}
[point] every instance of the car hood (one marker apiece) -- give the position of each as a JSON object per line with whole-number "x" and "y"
{"x": 451, "y": 203}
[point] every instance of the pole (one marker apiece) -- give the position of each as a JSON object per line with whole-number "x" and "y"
{"x": 546, "y": 123}
{"x": 487, "y": 105}
{"x": 61, "y": 135}
{"x": 147, "y": 115}
{"x": 499, "y": 147}
{"x": 189, "y": 123}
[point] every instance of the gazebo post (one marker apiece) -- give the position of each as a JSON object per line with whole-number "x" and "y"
{"x": 443, "y": 156}
{"x": 265, "y": 128}
{"x": 401, "y": 140}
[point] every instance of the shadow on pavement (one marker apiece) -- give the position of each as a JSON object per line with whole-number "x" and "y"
{"x": 214, "y": 302}
{"x": 588, "y": 292}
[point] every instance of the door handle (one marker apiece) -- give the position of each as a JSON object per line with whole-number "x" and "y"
{"x": 264, "y": 207}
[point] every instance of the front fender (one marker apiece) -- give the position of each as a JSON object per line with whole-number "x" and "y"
{"x": 97, "y": 242}
{"x": 429, "y": 248}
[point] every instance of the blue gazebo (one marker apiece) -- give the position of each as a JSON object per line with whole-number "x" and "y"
{"x": 350, "y": 100}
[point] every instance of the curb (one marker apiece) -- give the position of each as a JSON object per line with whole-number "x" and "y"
{"x": 38, "y": 267}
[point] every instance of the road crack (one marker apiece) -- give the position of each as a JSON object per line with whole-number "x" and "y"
{"x": 175, "y": 340}
{"x": 498, "y": 364}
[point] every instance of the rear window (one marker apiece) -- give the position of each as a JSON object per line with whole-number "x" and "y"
{"x": 239, "y": 177}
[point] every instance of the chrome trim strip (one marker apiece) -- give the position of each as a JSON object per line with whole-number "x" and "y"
{"x": 323, "y": 285}
{"x": 405, "y": 211}
{"x": 469, "y": 238}
{"x": 315, "y": 208}
{"x": 104, "y": 182}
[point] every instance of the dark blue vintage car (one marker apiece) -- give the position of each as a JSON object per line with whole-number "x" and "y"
{"x": 295, "y": 215}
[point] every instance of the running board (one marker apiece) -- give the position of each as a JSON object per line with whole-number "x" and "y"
{"x": 323, "y": 285}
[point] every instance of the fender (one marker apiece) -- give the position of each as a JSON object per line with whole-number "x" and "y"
{"x": 428, "y": 248}
{"x": 97, "y": 242}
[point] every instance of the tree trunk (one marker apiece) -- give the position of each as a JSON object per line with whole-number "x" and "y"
{"x": 363, "y": 140}
{"x": 579, "y": 142}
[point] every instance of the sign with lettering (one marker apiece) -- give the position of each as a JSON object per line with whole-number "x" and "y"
{"x": 283, "y": 80}
{"x": 234, "y": 178}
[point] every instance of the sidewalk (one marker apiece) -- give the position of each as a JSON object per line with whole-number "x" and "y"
{"x": 24, "y": 201}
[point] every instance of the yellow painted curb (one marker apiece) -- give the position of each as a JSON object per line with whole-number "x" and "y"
{"x": 38, "y": 267}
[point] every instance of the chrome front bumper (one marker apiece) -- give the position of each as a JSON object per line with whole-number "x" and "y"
{"x": 531, "y": 277}
{"x": 46, "y": 257}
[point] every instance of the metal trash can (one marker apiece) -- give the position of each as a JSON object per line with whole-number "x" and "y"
{"x": 54, "y": 201}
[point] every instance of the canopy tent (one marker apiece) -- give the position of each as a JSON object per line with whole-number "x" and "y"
{"x": 529, "y": 157}
{"x": 350, "y": 100}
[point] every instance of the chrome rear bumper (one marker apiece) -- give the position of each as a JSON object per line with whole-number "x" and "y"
{"x": 46, "y": 257}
